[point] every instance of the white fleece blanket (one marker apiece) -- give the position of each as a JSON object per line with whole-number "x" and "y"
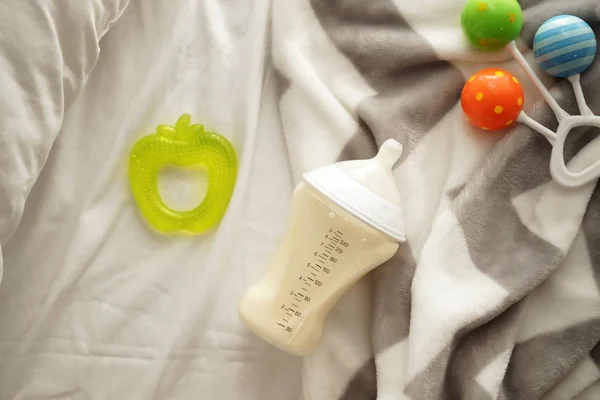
{"x": 495, "y": 295}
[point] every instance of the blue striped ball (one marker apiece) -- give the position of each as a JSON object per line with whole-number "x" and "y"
{"x": 564, "y": 46}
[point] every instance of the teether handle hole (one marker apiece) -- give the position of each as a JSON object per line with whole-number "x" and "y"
{"x": 182, "y": 189}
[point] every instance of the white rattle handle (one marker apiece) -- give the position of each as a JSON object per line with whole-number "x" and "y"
{"x": 589, "y": 153}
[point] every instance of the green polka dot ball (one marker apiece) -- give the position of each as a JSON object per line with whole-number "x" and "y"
{"x": 491, "y": 25}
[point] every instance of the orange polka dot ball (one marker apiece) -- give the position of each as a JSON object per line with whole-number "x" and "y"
{"x": 492, "y": 99}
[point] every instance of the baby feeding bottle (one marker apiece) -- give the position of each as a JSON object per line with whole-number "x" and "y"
{"x": 346, "y": 221}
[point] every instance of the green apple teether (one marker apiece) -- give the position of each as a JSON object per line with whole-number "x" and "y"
{"x": 184, "y": 145}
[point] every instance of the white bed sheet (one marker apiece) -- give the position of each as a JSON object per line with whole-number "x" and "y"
{"x": 93, "y": 304}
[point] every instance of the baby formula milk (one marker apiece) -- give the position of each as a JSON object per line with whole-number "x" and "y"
{"x": 346, "y": 220}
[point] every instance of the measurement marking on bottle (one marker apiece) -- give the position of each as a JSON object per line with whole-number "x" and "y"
{"x": 322, "y": 265}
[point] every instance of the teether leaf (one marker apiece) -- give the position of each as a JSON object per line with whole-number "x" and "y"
{"x": 183, "y": 123}
{"x": 184, "y": 145}
{"x": 165, "y": 130}
{"x": 196, "y": 129}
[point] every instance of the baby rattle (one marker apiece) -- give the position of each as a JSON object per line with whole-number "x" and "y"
{"x": 183, "y": 145}
{"x": 492, "y": 99}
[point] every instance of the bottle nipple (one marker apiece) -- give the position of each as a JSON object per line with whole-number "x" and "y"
{"x": 389, "y": 152}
